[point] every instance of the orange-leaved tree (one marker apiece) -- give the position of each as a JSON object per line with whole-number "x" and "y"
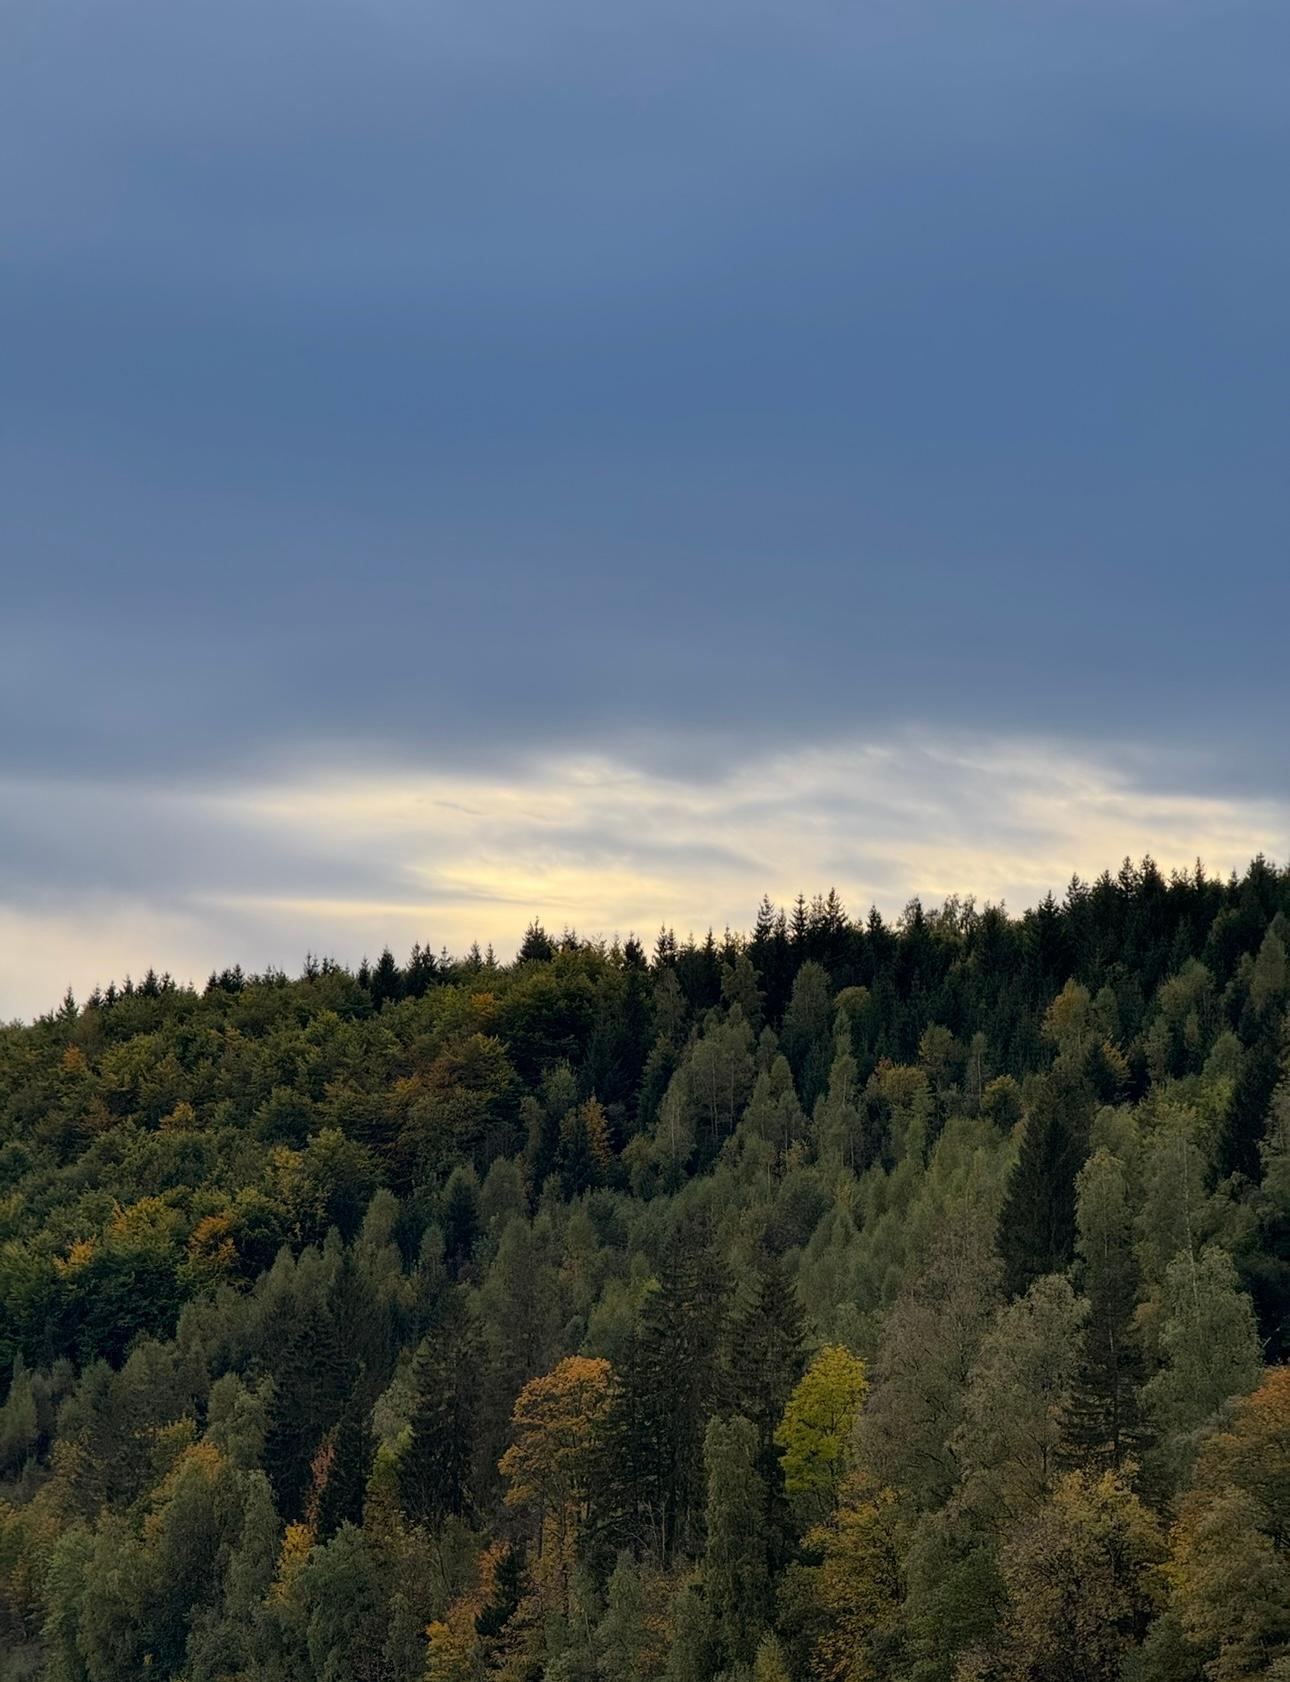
{"x": 555, "y": 1427}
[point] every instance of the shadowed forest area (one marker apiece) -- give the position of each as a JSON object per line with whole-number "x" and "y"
{"x": 844, "y": 1301}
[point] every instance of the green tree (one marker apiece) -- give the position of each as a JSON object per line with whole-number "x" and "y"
{"x": 1210, "y": 1348}
{"x": 437, "y": 1474}
{"x": 765, "y": 1364}
{"x": 627, "y": 1642}
{"x": 735, "y": 1572}
{"x": 1229, "y": 1566}
{"x": 839, "y": 1124}
{"x": 1037, "y": 1224}
{"x": 1017, "y": 1401}
{"x": 740, "y": 985}
{"x": 919, "y": 1379}
{"x": 806, "y": 1032}
{"x": 671, "y": 1383}
{"x": 460, "y": 1221}
{"x": 19, "y": 1419}
{"x": 1105, "y": 1420}
{"x": 857, "y": 1587}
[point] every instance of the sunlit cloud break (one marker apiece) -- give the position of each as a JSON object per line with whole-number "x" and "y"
{"x": 346, "y": 862}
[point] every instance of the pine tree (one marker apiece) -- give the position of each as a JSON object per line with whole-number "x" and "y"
{"x": 312, "y": 1379}
{"x": 766, "y": 1362}
{"x": 460, "y": 1217}
{"x": 387, "y": 980}
{"x": 537, "y": 945}
{"x": 437, "y": 1475}
{"x": 672, "y": 1382}
{"x": 1104, "y": 1422}
{"x": 735, "y": 1575}
{"x": 1037, "y": 1225}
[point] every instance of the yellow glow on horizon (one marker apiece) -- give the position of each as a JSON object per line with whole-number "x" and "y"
{"x": 346, "y": 862}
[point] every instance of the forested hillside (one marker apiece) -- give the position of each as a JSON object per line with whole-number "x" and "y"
{"x": 845, "y": 1301}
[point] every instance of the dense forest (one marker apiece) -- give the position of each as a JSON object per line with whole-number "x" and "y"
{"x": 841, "y": 1301}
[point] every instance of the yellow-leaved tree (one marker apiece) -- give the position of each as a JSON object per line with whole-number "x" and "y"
{"x": 857, "y": 1587}
{"x": 815, "y": 1432}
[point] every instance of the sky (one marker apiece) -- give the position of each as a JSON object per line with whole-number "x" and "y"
{"x": 477, "y": 460}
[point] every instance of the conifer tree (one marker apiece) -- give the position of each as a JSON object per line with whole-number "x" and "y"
{"x": 1104, "y": 1422}
{"x": 421, "y": 972}
{"x": 460, "y": 1217}
{"x": 537, "y": 945}
{"x": 437, "y": 1474}
{"x": 342, "y": 1466}
{"x": 672, "y": 1382}
{"x": 584, "y": 1156}
{"x": 806, "y": 1033}
{"x": 311, "y": 1380}
{"x": 735, "y": 1575}
{"x": 1037, "y": 1224}
{"x": 387, "y": 980}
{"x": 766, "y": 1362}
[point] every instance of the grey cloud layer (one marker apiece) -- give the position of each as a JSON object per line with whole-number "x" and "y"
{"x": 455, "y": 380}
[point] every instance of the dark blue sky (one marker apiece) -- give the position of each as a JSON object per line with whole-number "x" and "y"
{"x": 477, "y": 391}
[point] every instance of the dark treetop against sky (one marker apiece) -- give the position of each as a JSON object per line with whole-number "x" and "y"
{"x": 470, "y": 459}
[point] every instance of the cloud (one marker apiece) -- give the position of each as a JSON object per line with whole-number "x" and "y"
{"x": 191, "y": 878}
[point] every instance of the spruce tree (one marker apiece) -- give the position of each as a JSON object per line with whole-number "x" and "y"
{"x": 312, "y": 1379}
{"x": 437, "y": 1474}
{"x": 1037, "y": 1224}
{"x": 1104, "y": 1419}
{"x": 736, "y": 1579}
{"x": 537, "y": 945}
{"x": 421, "y": 972}
{"x": 766, "y": 1362}
{"x": 671, "y": 1385}
{"x": 343, "y": 1463}
{"x": 387, "y": 980}
{"x": 460, "y": 1217}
